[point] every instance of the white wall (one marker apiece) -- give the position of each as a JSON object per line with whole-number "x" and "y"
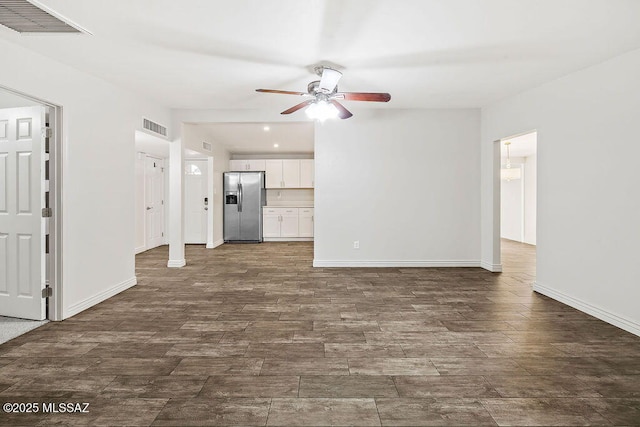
{"x": 530, "y": 198}
{"x": 512, "y": 207}
{"x": 404, "y": 183}
{"x": 588, "y": 209}
{"x": 99, "y": 121}
{"x": 140, "y": 203}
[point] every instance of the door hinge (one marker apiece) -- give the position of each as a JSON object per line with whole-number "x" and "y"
{"x": 47, "y": 212}
{"x": 162, "y": 234}
{"x": 47, "y": 132}
{"x": 47, "y": 292}
{"x": 162, "y": 202}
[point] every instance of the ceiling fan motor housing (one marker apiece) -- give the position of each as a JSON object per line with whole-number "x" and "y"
{"x": 314, "y": 88}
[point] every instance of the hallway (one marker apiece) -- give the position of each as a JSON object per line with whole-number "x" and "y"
{"x": 253, "y": 335}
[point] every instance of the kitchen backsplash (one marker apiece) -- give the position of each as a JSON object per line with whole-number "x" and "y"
{"x": 295, "y": 197}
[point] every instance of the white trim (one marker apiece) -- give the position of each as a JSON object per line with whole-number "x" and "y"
{"x": 140, "y": 249}
{"x": 176, "y": 263}
{"x": 215, "y": 244}
{"x": 619, "y": 321}
{"x": 389, "y": 263}
{"x": 494, "y": 268}
{"x": 96, "y": 299}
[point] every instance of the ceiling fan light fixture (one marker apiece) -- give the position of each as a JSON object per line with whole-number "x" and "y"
{"x": 321, "y": 111}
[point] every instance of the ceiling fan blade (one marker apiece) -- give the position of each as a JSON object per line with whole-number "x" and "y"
{"x": 364, "y": 96}
{"x": 298, "y": 107}
{"x": 329, "y": 79}
{"x": 284, "y": 92}
{"x": 343, "y": 113}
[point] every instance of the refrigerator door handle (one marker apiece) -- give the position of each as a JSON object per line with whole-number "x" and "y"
{"x": 239, "y": 197}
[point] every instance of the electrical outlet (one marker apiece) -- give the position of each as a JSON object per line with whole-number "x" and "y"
{"x": 356, "y": 244}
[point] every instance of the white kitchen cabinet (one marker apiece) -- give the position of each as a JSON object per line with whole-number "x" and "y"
{"x": 270, "y": 222}
{"x": 306, "y": 173}
{"x": 273, "y": 170}
{"x": 252, "y": 165}
{"x": 291, "y": 173}
{"x": 283, "y": 173}
{"x": 289, "y": 222}
{"x": 282, "y": 224}
{"x": 305, "y": 222}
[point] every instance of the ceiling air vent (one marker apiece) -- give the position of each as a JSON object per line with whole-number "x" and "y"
{"x": 154, "y": 127}
{"x": 30, "y": 18}
{"x": 206, "y": 146}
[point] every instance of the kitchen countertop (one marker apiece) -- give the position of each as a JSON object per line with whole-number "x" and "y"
{"x": 289, "y": 206}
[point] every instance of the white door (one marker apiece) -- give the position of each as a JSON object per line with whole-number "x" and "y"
{"x": 22, "y": 228}
{"x": 154, "y": 203}
{"x": 195, "y": 203}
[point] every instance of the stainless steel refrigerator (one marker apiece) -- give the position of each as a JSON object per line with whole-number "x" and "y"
{"x": 244, "y": 197}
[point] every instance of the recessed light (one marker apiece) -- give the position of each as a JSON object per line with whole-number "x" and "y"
{"x": 266, "y": 128}
{"x": 275, "y": 145}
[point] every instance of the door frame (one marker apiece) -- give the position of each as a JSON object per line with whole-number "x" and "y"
{"x": 54, "y": 271}
{"x": 164, "y": 197}
{"x": 497, "y": 197}
{"x": 208, "y": 182}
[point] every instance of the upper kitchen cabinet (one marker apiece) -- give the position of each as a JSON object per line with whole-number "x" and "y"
{"x": 283, "y": 173}
{"x": 306, "y": 173}
{"x": 247, "y": 165}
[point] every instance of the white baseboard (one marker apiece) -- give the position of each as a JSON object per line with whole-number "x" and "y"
{"x": 358, "y": 263}
{"x": 96, "y": 299}
{"x": 141, "y": 249}
{"x": 215, "y": 244}
{"x": 494, "y": 268}
{"x": 176, "y": 263}
{"x": 621, "y": 322}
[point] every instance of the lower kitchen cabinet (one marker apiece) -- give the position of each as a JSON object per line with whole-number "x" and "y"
{"x": 305, "y": 222}
{"x": 287, "y": 223}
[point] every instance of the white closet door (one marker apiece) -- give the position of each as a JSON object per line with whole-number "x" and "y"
{"x": 22, "y": 228}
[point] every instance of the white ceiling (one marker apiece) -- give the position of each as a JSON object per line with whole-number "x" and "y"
{"x": 297, "y": 137}
{"x": 521, "y": 146}
{"x": 426, "y": 53}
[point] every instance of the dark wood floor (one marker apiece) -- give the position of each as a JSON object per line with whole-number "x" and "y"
{"x": 253, "y": 335}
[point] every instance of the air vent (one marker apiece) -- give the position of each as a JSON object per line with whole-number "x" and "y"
{"x": 154, "y": 127}
{"x": 27, "y": 18}
{"x": 206, "y": 146}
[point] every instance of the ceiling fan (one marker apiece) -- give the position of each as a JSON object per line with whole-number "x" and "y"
{"x": 323, "y": 95}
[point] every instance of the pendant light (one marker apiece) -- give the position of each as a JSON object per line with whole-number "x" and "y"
{"x": 507, "y": 173}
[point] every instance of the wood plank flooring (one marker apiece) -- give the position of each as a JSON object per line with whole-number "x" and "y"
{"x": 253, "y": 335}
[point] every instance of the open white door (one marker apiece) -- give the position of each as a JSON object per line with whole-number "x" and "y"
{"x": 195, "y": 201}
{"x": 22, "y": 227}
{"x": 154, "y": 197}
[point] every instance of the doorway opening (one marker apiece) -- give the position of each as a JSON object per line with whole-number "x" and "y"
{"x": 30, "y": 213}
{"x": 152, "y": 159}
{"x": 518, "y": 203}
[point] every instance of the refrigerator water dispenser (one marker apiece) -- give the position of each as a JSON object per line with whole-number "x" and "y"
{"x": 231, "y": 198}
